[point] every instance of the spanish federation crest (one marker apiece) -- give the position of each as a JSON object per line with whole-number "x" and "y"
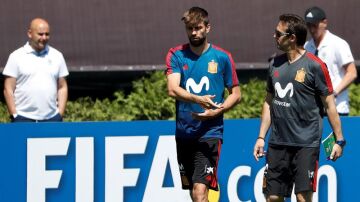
{"x": 300, "y": 75}
{"x": 212, "y": 67}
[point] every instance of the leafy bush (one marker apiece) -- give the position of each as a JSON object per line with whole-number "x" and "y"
{"x": 85, "y": 109}
{"x": 252, "y": 99}
{"x": 4, "y": 115}
{"x": 354, "y": 94}
{"x": 149, "y": 101}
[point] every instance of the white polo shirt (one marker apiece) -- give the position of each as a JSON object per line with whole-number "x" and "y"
{"x": 37, "y": 77}
{"x": 336, "y": 53}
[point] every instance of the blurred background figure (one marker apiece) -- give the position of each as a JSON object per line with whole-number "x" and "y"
{"x": 335, "y": 52}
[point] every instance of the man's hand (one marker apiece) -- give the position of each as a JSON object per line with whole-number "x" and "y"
{"x": 206, "y": 102}
{"x": 336, "y": 152}
{"x": 259, "y": 149}
{"x": 207, "y": 114}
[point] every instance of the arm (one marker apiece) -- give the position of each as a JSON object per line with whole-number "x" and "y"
{"x": 9, "y": 88}
{"x": 349, "y": 77}
{"x": 175, "y": 91}
{"x": 62, "y": 95}
{"x": 233, "y": 99}
{"x": 334, "y": 120}
{"x": 264, "y": 127}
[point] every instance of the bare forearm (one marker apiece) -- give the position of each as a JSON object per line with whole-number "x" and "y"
{"x": 333, "y": 116}
{"x": 347, "y": 80}
{"x": 265, "y": 116}
{"x": 233, "y": 99}
{"x": 10, "y": 101}
{"x": 349, "y": 77}
{"x": 335, "y": 123}
{"x": 265, "y": 121}
{"x": 181, "y": 94}
{"x": 62, "y": 99}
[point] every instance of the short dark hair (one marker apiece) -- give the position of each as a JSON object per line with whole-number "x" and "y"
{"x": 195, "y": 15}
{"x": 296, "y": 26}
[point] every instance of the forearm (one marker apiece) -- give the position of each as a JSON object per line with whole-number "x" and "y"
{"x": 10, "y": 101}
{"x": 62, "y": 100}
{"x": 232, "y": 100}
{"x": 335, "y": 123}
{"x": 265, "y": 121}
{"x": 265, "y": 116}
{"x": 347, "y": 80}
{"x": 181, "y": 94}
{"x": 264, "y": 127}
{"x": 333, "y": 116}
{"x": 349, "y": 77}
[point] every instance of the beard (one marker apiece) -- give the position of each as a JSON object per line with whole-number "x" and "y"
{"x": 281, "y": 47}
{"x": 197, "y": 42}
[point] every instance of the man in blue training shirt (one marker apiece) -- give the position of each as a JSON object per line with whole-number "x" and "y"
{"x": 198, "y": 74}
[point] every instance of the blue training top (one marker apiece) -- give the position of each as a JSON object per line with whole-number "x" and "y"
{"x": 207, "y": 74}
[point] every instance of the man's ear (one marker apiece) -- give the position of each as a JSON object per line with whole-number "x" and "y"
{"x": 208, "y": 27}
{"x": 324, "y": 23}
{"x": 292, "y": 38}
{"x": 29, "y": 33}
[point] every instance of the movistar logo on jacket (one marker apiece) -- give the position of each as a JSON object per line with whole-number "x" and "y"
{"x": 196, "y": 88}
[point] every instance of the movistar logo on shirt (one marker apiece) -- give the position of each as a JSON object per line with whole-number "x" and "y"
{"x": 196, "y": 88}
{"x": 282, "y": 92}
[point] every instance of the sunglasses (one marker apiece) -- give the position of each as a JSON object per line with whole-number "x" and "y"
{"x": 279, "y": 34}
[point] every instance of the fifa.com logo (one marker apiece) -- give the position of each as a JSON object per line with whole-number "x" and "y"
{"x": 118, "y": 177}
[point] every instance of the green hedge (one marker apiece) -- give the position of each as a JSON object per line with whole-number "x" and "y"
{"x": 354, "y": 93}
{"x": 149, "y": 101}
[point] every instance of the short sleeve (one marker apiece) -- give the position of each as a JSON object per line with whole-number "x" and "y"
{"x": 269, "y": 83}
{"x": 172, "y": 63}
{"x": 230, "y": 75}
{"x": 63, "y": 68}
{"x": 343, "y": 53}
{"x": 323, "y": 83}
{"x": 11, "y": 68}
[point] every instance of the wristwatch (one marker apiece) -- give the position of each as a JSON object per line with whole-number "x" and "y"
{"x": 341, "y": 143}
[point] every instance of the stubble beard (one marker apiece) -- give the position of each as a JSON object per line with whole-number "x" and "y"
{"x": 197, "y": 43}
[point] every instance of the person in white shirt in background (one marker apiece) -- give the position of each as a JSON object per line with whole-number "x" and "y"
{"x": 35, "y": 88}
{"x": 335, "y": 52}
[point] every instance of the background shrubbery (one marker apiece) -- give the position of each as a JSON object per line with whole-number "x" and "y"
{"x": 149, "y": 101}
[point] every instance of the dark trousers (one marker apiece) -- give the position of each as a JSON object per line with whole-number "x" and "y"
{"x": 19, "y": 118}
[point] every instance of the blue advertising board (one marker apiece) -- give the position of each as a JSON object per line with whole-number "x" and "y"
{"x": 136, "y": 161}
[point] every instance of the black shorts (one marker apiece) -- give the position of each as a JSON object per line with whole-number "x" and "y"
{"x": 286, "y": 165}
{"x": 198, "y": 161}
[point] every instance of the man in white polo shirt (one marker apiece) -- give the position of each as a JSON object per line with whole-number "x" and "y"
{"x": 335, "y": 52}
{"x": 35, "y": 88}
